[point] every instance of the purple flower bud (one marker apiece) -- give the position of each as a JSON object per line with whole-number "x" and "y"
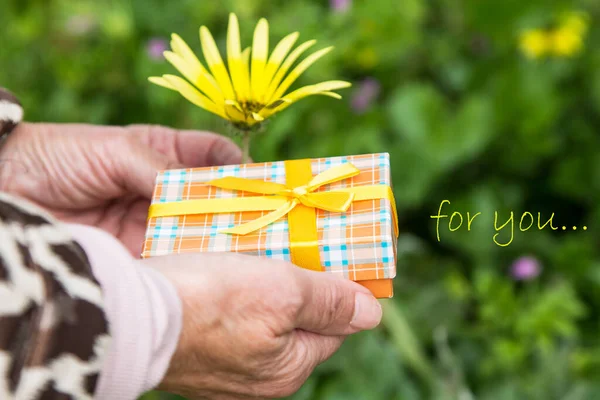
{"x": 364, "y": 95}
{"x": 340, "y": 5}
{"x": 155, "y": 48}
{"x": 525, "y": 268}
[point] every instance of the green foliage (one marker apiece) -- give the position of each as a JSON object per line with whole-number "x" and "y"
{"x": 466, "y": 118}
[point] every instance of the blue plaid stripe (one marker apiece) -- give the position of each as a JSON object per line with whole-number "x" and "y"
{"x": 280, "y": 254}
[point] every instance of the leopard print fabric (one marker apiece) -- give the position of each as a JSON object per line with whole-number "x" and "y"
{"x": 11, "y": 112}
{"x": 53, "y": 329}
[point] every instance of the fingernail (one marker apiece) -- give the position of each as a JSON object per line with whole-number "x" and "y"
{"x": 367, "y": 312}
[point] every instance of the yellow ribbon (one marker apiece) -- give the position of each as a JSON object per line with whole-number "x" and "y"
{"x": 297, "y": 199}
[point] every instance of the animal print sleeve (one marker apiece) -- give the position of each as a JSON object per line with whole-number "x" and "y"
{"x": 53, "y": 328}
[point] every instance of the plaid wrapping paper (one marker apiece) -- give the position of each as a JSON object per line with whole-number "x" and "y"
{"x": 359, "y": 244}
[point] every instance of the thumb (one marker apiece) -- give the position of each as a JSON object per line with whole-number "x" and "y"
{"x": 335, "y": 306}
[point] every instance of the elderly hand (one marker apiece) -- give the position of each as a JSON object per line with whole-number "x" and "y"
{"x": 102, "y": 176}
{"x": 255, "y": 327}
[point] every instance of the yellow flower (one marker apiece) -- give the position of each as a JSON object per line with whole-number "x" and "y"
{"x": 535, "y": 43}
{"x": 576, "y": 22}
{"x": 567, "y": 39}
{"x": 566, "y": 42}
{"x": 253, "y": 85}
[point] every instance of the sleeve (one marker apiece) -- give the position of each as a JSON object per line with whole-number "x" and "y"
{"x": 144, "y": 313}
{"x": 53, "y": 327}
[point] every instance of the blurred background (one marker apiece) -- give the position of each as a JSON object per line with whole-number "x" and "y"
{"x": 493, "y": 105}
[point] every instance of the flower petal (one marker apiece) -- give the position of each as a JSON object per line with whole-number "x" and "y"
{"x": 198, "y": 78}
{"x": 323, "y": 88}
{"x": 189, "y": 72}
{"x": 296, "y": 72}
{"x": 193, "y": 95}
{"x": 215, "y": 63}
{"x": 234, "y": 112}
{"x": 260, "y": 52}
{"x": 160, "y": 81}
{"x": 239, "y": 78}
{"x": 246, "y": 57}
{"x": 234, "y": 48}
{"x": 180, "y": 47}
{"x": 234, "y": 104}
{"x": 279, "y": 53}
{"x": 277, "y": 103}
{"x": 245, "y": 71}
{"x": 289, "y": 61}
{"x": 330, "y": 94}
{"x": 204, "y": 81}
{"x": 319, "y": 87}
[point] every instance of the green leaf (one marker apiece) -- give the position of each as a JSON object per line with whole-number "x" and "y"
{"x": 427, "y": 124}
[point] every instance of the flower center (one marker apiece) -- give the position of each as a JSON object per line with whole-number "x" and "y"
{"x": 252, "y": 106}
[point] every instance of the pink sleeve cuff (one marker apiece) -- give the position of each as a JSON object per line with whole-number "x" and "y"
{"x": 144, "y": 314}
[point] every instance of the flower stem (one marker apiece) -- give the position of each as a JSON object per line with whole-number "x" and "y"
{"x": 245, "y": 147}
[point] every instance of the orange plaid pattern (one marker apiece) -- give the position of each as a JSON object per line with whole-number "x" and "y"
{"x": 359, "y": 244}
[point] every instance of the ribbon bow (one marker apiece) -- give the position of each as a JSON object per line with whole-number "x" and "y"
{"x": 335, "y": 201}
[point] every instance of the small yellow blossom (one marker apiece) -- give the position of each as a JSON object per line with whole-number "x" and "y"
{"x": 576, "y": 22}
{"x": 253, "y": 86}
{"x": 567, "y": 39}
{"x": 566, "y": 42}
{"x": 535, "y": 43}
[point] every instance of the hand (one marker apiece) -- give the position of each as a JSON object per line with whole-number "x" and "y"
{"x": 256, "y": 327}
{"x": 102, "y": 176}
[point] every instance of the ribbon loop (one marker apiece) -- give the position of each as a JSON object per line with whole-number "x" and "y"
{"x": 333, "y": 174}
{"x": 263, "y": 221}
{"x": 328, "y": 201}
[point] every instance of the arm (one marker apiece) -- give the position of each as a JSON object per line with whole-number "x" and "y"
{"x": 78, "y": 318}
{"x": 53, "y": 327}
{"x": 66, "y": 327}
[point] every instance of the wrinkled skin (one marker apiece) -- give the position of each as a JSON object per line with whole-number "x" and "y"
{"x": 102, "y": 176}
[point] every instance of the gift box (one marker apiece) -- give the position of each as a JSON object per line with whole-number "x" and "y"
{"x": 335, "y": 215}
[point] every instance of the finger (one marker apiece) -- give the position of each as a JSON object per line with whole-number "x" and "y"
{"x": 150, "y": 149}
{"x": 134, "y": 168}
{"x": 107, "y": 161}
{"x": 189, "y": 148}
{"x": 335, "y": 306}
{"x": 317, "y": 348}
{"x": 306, "y": 351}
